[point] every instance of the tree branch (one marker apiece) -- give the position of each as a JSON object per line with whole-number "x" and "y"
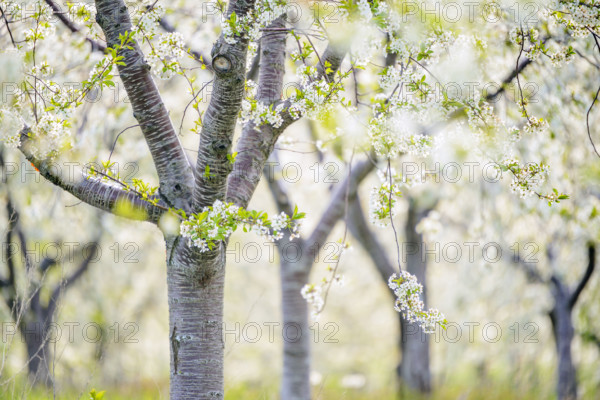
{"x": 252, "y": 73}
{"x": 335, "y": 209}
{"x": 91, "y": 190}
{"x": 508, "y": 80}
{"x": 257, "y": 142}
{"x": 174, "y": 170}
{"x": 333, "y": 56}
{"x": 71, "y": 279}
{"x": 96, "y": 46}
{"x": 332, "y": 60}
{"x": 10, "y": 283}
{"x": 586, "y": 276}
{"x": 17, "y": 229}
{"x": 359, "y": 228}
{"x": 530, "y": 271}
{"x": 12, "y": 214}
{"x": 46, "y": 263}
{"x": 218, "y": 125}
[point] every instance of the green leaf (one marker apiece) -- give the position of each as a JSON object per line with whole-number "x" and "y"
{"x": 94, "y": 395}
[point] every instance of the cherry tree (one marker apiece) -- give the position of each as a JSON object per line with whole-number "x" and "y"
{"x": 382, "y": 84}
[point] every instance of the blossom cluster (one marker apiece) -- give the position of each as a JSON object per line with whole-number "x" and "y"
{"x": 526, "y": 178}
{"x": 82, "y": 12}
{"x": 260, "y": 113}
{"x": 44, "y": 26}
{"x": 10, "y": 132}
{"x": 537, "y": 46}
{"x": 408, "y": 301}
{"x": 577, "y": 16}
{"x": 314, "y": 100}
{"x": 216, "y": 223}
{"x": 165, "y": 55}
{"x": 383, "y": 199}
{"x": 536, "y": 125}
{"x": 313, "y": 294}
{"x": 147, "y": 22}
{"x": 249, "y": 26}
{"x": 390, "y": 137}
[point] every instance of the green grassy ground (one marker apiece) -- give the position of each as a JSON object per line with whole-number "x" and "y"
{"x": 495, "y": 391}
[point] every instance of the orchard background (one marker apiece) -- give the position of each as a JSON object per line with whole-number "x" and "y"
{"x": 321, "y": 153}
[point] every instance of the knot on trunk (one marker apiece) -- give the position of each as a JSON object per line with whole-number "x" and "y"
{"x": 228, "y": 60}
{"x": 220, "y": 147}
{"x": 222, "y": 64}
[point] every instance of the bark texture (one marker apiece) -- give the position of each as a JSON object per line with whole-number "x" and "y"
{"x": 174, "y": 171}
{"x": 195, "y": 323}
{"x": 295, "y": 382}
{"x": 218, "y": 125}
{"x": 257, "y": 142}
{"x": 195, "y": 280}
{"x": 92, "y": 190}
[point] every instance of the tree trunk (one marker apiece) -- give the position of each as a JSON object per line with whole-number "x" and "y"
{"x": 563, "y": 334}
{"x": 195, "y": 288}
{"x": 295, "y": 384}
{"x": 414, "y": 370}
{"x": 38, "y": 352}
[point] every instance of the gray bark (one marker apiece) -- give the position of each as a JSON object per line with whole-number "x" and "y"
{"x": 218, "y": 125}
{"x": 174, "y": 170}
{"x": 294, "y": 274}
{"x": 257, "y": 142}
{"x": 195, "y": 293}
{"x": 295, "y": 382}
{"x": 414, "y": 368}
{"x": 92, "y": 190}
{"x": 195, "y": 280}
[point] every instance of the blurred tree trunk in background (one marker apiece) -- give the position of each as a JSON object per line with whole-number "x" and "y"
{"x": 414, "y": 368}
{"x": 32, "y": 315}
{"x": 562, "y": 328}
{"x": 38, "y": 351}
{"x": 561, "y": 316}
{"x": 295, "y": 383}
{"x": 296, "y": 261}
